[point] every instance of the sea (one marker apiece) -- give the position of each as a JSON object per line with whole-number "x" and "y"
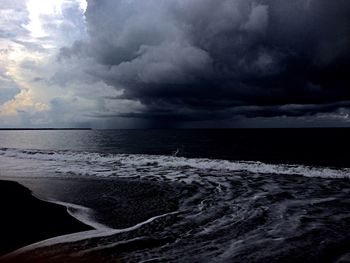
{"x": 235, "y": 195}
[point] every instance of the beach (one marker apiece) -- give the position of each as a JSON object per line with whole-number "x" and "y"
{"x": 26, "y": 219}
{"x": 135, "y": 203}
{"x": 76, "y": 206}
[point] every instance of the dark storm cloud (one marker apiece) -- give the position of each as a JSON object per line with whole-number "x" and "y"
{"x": 204, "y": 59}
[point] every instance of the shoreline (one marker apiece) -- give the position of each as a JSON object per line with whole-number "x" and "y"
{"x": 92, "y": 208}
{"x": 26, "y": 219}
{"x": 112, "y": 203}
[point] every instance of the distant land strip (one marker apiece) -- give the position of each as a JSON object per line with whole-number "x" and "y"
{"x": 44, "y": 129}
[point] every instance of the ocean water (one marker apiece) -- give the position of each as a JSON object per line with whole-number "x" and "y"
{"x": 197, "y": 195}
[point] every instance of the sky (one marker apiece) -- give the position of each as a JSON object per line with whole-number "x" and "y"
{"x": 174, "y": 63}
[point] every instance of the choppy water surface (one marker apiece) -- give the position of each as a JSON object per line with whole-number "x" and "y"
{"x": 221, "y": 210}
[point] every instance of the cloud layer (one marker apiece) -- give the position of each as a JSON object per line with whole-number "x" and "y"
{"x": 174, "y": 63}
{"x": 209, "y": 59}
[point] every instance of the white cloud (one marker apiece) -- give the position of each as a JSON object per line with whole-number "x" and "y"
{"x": 31, "y": 34}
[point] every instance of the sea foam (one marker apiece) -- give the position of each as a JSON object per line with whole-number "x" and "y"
{"x": 170, "y": 167}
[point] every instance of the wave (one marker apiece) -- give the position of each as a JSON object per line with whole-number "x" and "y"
{"x": 171, "y": 167}
{"x": 80, "y": 236}
{"x": 227, "y": 210}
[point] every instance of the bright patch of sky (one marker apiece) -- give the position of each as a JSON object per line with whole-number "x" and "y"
{"x": 31, "y": 35}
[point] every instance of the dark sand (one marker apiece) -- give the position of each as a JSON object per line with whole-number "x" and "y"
{"x": 25, "y": 219}
{"x": 116, "y": 203}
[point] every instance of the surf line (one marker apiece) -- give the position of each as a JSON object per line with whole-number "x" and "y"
{"x": 83, "y": 214}
{"x": 80, "y": 236}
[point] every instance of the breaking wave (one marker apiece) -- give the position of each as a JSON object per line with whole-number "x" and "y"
{"x": 226, "y": 211}
{"x": 129, "y": 165}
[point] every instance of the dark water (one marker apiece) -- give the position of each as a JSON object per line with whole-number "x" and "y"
{"x": 297, "y": 146}
{"x": 211, "y": 195}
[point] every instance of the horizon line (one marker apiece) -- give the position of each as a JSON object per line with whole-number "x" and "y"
{"x": 235, "y": 128}
{"x": 23, "y": 129}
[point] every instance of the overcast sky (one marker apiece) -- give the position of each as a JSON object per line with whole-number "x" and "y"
{"x": 174, "y": 63}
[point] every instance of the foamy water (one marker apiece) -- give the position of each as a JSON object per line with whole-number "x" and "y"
{"x": 122, "y": 165}
{"x": 230, "y": 211}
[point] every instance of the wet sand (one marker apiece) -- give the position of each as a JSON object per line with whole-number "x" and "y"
{"x": 111, "y": 204}
{"x": 115, "y": 203}
{"x": 25, "y": 219}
